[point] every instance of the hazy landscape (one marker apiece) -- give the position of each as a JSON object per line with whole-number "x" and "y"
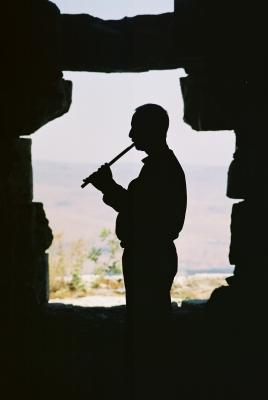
{"x": 80, "y": 214}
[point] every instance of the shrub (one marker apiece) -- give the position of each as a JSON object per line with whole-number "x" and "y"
{"x": 66, "y": 261}
{"x": 107, "y": 259}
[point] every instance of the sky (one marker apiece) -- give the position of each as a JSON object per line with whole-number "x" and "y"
{"x": 97, "y": 125}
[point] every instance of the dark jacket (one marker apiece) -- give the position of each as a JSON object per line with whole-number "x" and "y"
{"x": 152, "y": 210}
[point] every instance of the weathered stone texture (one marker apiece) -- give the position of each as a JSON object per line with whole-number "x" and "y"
{"x": 33, "y": 90}
{"x": 20, "y": 178}
{"x": 226, "y": 88}
{"x": 26, "y": 234}
{"x": 32, "y": 237}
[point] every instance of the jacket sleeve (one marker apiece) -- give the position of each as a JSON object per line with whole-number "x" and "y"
{"x": 116, "y": 197}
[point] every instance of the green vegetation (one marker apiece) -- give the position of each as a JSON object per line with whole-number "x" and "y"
{"x": 67, "y": 263}
{"x": 65, "y": 267}
{"x": 107, "y": 259}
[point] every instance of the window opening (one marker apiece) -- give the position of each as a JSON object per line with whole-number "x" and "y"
{"x": 85, "y": 256}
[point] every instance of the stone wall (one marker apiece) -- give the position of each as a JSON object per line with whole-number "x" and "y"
{"x": 225, "y": 88}
{"x": 27, "y": 235}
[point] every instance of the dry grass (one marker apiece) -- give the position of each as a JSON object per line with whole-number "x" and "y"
{"x": 66, "y": 280}
{"x": 185, "y": 288}
{"x": 193, "y": 287}
{"x": 196, "y": 286}
{"x": 65, "y": 262}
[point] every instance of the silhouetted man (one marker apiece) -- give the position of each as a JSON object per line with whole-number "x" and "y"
{"x": 151, "y": 214}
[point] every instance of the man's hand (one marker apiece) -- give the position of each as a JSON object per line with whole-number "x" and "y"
{"x": 102, "y": 178}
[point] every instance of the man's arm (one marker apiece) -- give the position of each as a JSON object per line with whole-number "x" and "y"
{"x": 114, "y": 195}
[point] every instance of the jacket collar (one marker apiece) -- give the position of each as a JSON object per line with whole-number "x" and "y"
{"x": 157, "y": 156}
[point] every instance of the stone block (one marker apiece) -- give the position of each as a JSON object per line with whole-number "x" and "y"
{"x": 238, "y": 185}
{"x": 20, "y": 177}
{"x": 248, "y": 239}
{"x": 210, "y": 102}
{"x": 40, "y": 279}
{"x": 134, "y": 44}
{"x": 33, "y": 234}
{"x": 248, "y": 172}
{"x": 34, "y": 93}
{"x": 26, "y": 110}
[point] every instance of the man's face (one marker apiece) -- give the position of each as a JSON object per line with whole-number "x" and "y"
{"x": 139, "y": 133}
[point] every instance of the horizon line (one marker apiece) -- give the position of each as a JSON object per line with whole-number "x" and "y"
{"x": 122, "y": 162}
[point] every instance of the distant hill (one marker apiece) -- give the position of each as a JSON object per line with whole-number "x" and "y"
{"x": 80, "y": 213}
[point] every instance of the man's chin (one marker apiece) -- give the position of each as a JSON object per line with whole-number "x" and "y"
{"x": 138, "y": 147}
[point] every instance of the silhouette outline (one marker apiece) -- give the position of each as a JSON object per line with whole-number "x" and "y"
{"x": 151, "y": 213}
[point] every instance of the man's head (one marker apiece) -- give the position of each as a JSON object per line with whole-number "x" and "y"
{"x": 149, "y": 127}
